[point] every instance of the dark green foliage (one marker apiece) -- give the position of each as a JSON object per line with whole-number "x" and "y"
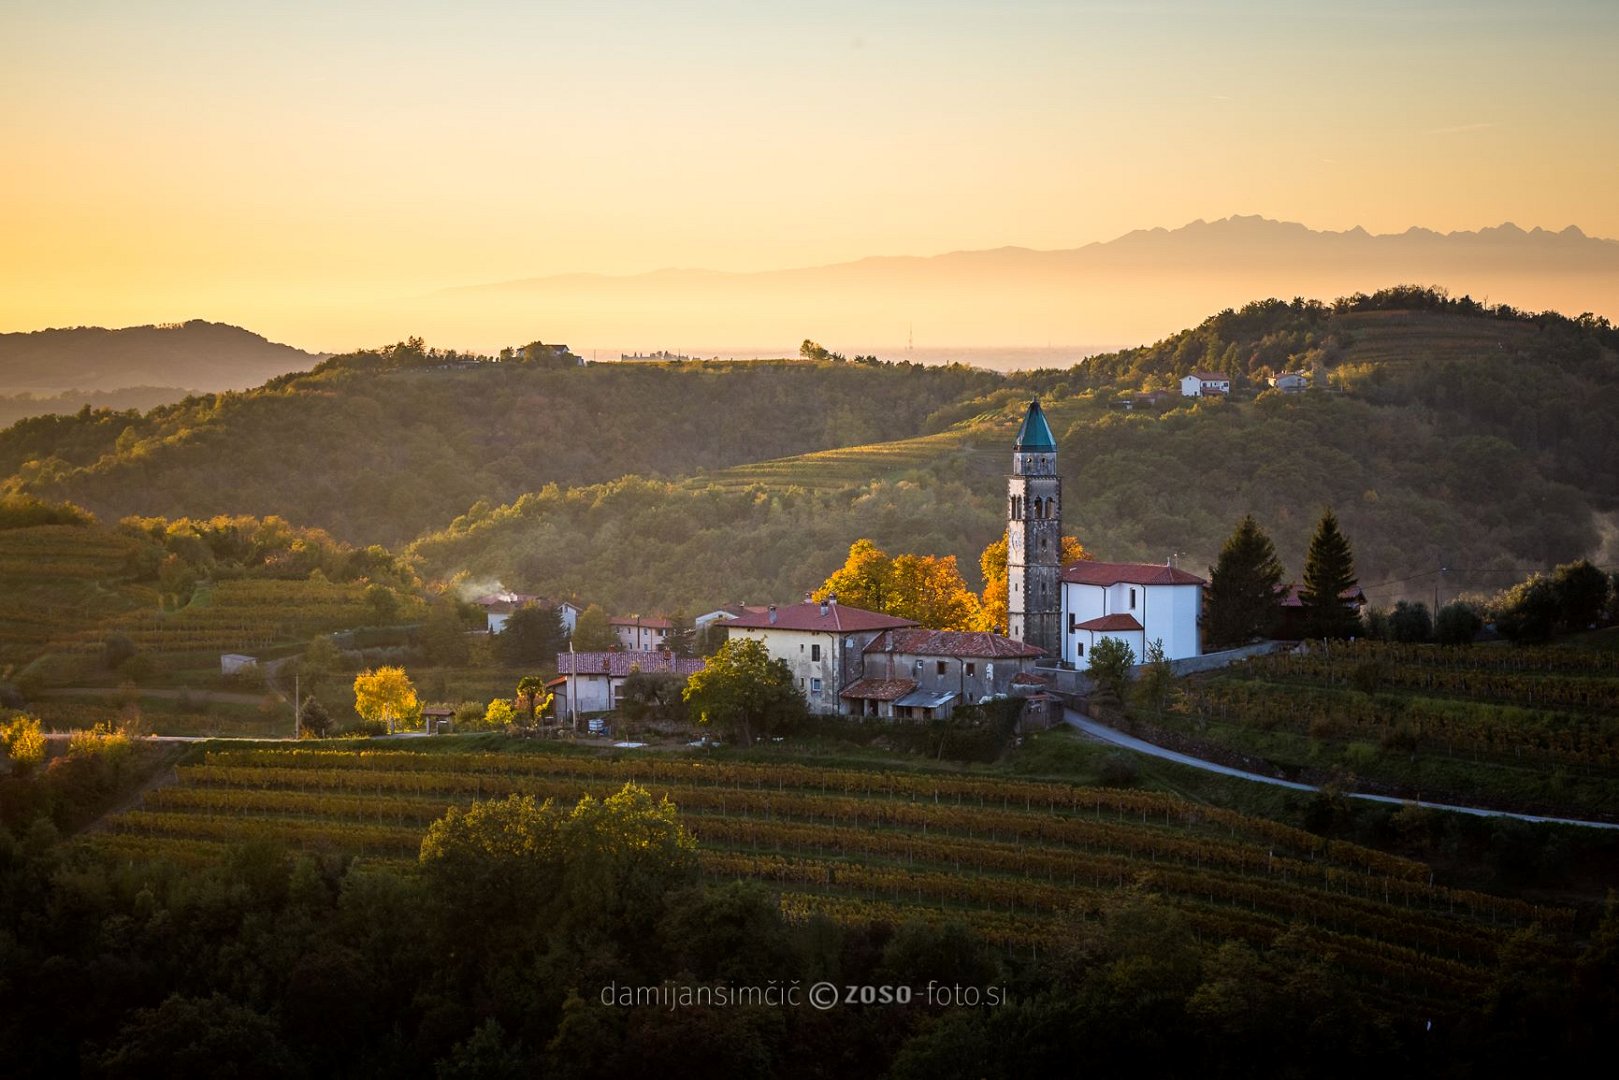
{"x": 653, "y": 696}
{"x": 1582, "y": 594}
{"x": 313, "y": 720}
{"x": 1243, "y": 598}
{"x": 198, "y": 1039}
{"x": 1458, "y": 623}
{"x": 1109, "y": 666}
{"x": 743, "y": 693}
{"x": 1410, "y": 622}
{"x": 1529, "y": 611}
{"x": 444, "y": 636}
{"x": 403, "y": 439}
{"x": 1329, "y": 573}
{"x": 532, "y": 636}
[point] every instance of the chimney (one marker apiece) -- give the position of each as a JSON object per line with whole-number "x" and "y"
{"x": 809, "y": 598}
{"x": 832, "y": 599}
{"x": 772, "y": 614}
{"x": 823, "y": 609}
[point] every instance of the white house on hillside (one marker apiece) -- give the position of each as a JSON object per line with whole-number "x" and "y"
{"x": 1135, "y": 603}
{"x": 636, "y": 632}
{"x": 590, "y": 681}
{"x": 498, "y": 607}
{"x": 1205, "y": 384}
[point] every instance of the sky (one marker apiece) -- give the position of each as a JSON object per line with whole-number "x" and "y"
{"x": 276, "y": 165}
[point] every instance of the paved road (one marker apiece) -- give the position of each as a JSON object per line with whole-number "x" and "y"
{"x": 1129, "y": 742}
{"x": 201, "y": 697}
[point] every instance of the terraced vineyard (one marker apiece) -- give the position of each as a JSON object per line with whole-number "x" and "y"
{"x": 1396, "y": 337}
{"x": 58, "y": 579}
{"x": 1018, "y": 861}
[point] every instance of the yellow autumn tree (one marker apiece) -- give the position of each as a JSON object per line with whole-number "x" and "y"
{"x": 927, "y": 588}
{"x": 24, "y": 743}
{"x": 992, "y": 604}
{"x": 386, "y": 696}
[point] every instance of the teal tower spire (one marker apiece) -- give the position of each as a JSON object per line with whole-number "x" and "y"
{"x": 1034, "y": 537}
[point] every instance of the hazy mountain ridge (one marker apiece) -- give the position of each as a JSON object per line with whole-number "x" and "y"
{"x": 201, "y": 355}
{"x": 1141, "y": 286}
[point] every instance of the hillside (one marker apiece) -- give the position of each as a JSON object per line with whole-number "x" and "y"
{"x": 202, "y": 355}
{"x": 1483, "y": 442}
{"x": 379, "y": 447}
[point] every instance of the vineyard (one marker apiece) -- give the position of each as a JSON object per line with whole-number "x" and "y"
{"x": 1535, "y": 725}
{"x": 59, "y": 579}
{"x": 1018, "y": 861}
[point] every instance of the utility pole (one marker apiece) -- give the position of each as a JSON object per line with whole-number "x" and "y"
{"x": 296, "y": 697}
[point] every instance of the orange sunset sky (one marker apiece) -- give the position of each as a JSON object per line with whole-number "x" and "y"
{"x": 304, "y": 169}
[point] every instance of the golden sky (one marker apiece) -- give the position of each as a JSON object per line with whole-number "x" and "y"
{"x": 283, "y": 166}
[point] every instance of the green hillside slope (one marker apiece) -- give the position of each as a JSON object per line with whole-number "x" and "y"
{"x": 380, "y": 447}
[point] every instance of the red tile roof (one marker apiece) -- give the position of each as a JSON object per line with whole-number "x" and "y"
{"x": 1029, "y": 678}
{"x": 838, "y": 619}
{"x": 977, "y": 644}
{"x": 879, "y": 689}
{"x": 620, "y": 664}
{"x": 1129, "y": 573}
{"x": 1110, "y": 622}
{"x": 1209, "y": 376}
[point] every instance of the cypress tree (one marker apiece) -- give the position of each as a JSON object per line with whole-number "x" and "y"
{"x": 1329, "y": 572}
{"x": 1243, "y": 596}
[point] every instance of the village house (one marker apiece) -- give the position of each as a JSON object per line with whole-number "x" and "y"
{"x": 590, "y": 682}
{"x": 1290, "y": 382}
{"x": 822, "y": 642}
{"x": 1205, "y": 384}
{"x": 1290, "y": 621}
{"x": 922, "y": 674}
{"x": 638, "y": 632}
{"x": 499, "y": 606}
{"x": 727, "y": 612}
{"x": 1135, "y": 603}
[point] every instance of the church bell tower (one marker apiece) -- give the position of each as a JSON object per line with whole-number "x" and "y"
{"x": 1034, "y": 537}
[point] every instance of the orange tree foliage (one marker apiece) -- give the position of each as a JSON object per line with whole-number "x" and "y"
{"x": 992, "y": 562}
{"x": 927, "y": 588}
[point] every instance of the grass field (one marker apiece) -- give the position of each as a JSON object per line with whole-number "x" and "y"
{"x": 1017, "y": 860}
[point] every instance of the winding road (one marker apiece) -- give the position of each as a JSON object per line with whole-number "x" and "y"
{"x": 1103, "y": 733}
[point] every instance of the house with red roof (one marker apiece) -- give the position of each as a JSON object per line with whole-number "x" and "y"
{"x": 500, "y": 606}
{"x": 1135, "y": 603}
{"x": 590, "y": 682}
{"x": 822, "y": 642}
{"x": 919, "y": 674}
{"x": 1205, "y": 384}
{"x": 639, "y": 632}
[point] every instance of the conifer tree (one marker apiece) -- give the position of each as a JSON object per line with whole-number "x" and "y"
{"x": 1329, "y": 573}
{"x": 1243, "y": 587}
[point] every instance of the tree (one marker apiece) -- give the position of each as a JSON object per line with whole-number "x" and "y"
{"x": 499, "y": 715}
{"x": 1244, "y": 587}
{"x": 682, "y": 637}
{"x": 532, "y": 693}
{"x": 926, "y": 588}
{"x": 653, "y": 695}
{"x": 24, "y": 743}
{"x": 1157, "y": 677}
{"x": 1529, "y": 611}
{"x": 1458, "y": 623}
{"x": 992, "y": 602}
{"x": 320, "y": 660}
{"x": 533, "y": 635}
{"x": 744, "y": 692}
{"x": 1329, "y": 573}
{"x": 1582, "y": 593}
{"x": 383, "y": 602}
{"x": 444, "y": 635}
{"x": 386, "y": 696}
{"x": 1110, "y": 664}
{"x": 1410, "y": 622}
{"x": 313, "y": 720}
{"x": 592, "y": 632}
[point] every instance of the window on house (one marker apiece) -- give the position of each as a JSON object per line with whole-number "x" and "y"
{"x": 972, "y": 671}
{"x": 1079, "y": 649}
{"x": 919, "y": 665}
{"x": 815, "y": 652}
{"x": 815, "y": 686}
{"x": 941, "y": 667}
{"x": 1132, "y": 599}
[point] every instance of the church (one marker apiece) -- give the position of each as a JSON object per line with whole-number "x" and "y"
{"x": 1065, "y": 611}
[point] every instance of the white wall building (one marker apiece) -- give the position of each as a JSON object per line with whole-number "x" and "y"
{"x": 1135, "y": 603}
{"x": 590, "y": 682}
{"x": 821, "y": 642}
{"x": 637, "y": 632}
{"x": 1205, "y": 384}
{"x": 498, "y": 607}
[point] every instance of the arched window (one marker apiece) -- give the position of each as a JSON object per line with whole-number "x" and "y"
{"x": 1039, "y": 507}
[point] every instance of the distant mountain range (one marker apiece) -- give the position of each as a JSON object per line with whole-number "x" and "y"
{"x": 191, "y": 356}
{"x": 1134, "y": 289}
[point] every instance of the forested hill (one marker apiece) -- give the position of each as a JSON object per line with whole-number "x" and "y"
{"x": 1482, "y": 440}
{"x": 203, "y": 356}
{"x": 379, "y": 447}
